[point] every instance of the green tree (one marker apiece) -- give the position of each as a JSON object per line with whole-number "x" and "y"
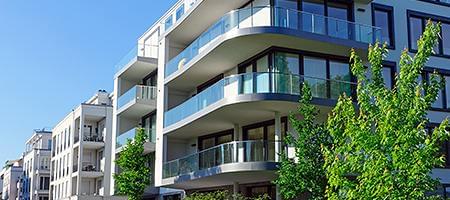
{"x": 222, "y": 195}
{"x": 135, "y": 174}
{"x": 306, "y": 176}
{"x": 381, "y": 149}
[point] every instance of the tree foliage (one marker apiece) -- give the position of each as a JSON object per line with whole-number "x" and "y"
{"x": 381, "y": 149}
{"x": 306, "y": 175}
{"x": 135, "y": 174}
{"x": 222, "y": 195}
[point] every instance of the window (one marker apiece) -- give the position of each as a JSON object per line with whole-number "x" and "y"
{"x": 149, "y": 125}
{"x": 383, "y": 17}
{"x": 443, "y": 101}
{"x": 180, "y": 12}
{"x": 260, "y": 139}
{"x": 44, "y": 183}
{"x": 168, "y": 23}
{"x": 417, "y": 22}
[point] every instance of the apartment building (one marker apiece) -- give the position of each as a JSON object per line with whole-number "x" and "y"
{"x": 35, "y": 180}
{"x": 81, "y": 151}
{"x": 214, "y": 81}
{"x": 11, "y": 174}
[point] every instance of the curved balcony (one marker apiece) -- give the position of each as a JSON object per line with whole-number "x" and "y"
{"x": 141, "y": 59}
{"x": 137, "y": 101}
{"x": 279, "y": 18}
{"x": 256, "y": 156}
{"x": 234, "y": 90}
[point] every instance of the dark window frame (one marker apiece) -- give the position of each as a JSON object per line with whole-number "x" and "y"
{"x": 393, "y": 67}
{"x": 153, "y": 74}
{"x": 215, "y": 136}
{"x": 445, "y": 73}
{"x": 301, "y": 53}
{"x": 437, "y": 2}
{"x": 391, "y": 22}
{"x": 425, "y": 17}
{"x": 429, "y": 127}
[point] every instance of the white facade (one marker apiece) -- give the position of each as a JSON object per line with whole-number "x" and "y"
{"x": 81, "y": 151}
{"x": 35, "y": 180}
{"x": 11, "y": 174}
{"x": 229, "y": 72}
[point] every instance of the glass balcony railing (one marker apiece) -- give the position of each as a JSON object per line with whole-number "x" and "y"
{"x": 254, "y": 83}
{"x": 122, "y": 139}
{"x": 140, "y": 50}
{"x": 275, "y": 17}
{"x": 233, "y": 152}
{"x": 138, "y": 93}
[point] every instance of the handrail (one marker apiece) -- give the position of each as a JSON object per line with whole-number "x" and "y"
{"x": 220, "y": 145}
{"x": 254, "y": 82}
{"x": 231, "y": 152}
{"x": 140, "y": 50}
{"x": 229, "y": 21}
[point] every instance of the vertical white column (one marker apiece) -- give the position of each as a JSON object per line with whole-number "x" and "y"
{"x": 80, "y": 150}
{"x": 277, "y": 136}
{"x": 161, "y": 105}
{"x": 114, "y": 132}
{"x": 108, "y": 153}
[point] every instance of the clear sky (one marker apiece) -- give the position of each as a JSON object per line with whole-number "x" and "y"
{"x": 56, "y": 54}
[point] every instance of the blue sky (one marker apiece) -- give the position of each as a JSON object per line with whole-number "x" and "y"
{"x": 55, "y": 54}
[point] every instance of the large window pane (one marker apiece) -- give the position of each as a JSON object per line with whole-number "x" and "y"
{"x": 286, "y": 63}
{"x": 340, "y": 78}
{"x": 262, "y": 82}
{"x": 382, "y": 20}
{"x": 286, "y": 13}
{"x": 286, "y": 67}
{"x": 338, "y": 28}
{"x": 446, "y": 38}
{"x": 447, "y": 90}
{"x": 314, "y": 22}
{"x": 387, "y": 76}
{"x": 315, "y": 71}
{"x": 415, "y": 31}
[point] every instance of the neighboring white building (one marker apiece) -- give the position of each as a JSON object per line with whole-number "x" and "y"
{"x": 35, "y": 181}
{"x": 11, "y": 174}
{"x": 229, "y": 72}
{"x": 81, "y": 152}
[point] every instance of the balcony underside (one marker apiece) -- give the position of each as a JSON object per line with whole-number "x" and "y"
{"x": 184, "y": 31}
{"x": 248, "y": 172}
{"x": 137, "y": 108}
{"x": 93, "y": 145}
{"x": 234, "y": 47}
{"x": 92, "y": 174}
{"x": 242, "y": 109}
{"x": 138, "y": 68}
{"x": 148, "y": 148}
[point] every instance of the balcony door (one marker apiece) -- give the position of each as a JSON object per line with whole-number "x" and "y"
{"x": 327, "y": 17}
{"x": 259, "y": 140}
{"x": 214, "y": 149}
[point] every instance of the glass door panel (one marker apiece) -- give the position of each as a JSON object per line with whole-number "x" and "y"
{"x": 315, "y": 71}
{"x": 262, "y": 80}
{"x": 338, "y": 21}
{"x": 340, "y": 78}
{"x": 312, "y": 18}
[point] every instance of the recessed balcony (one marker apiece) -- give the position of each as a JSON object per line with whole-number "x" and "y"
{"x": 122, "y": 139}
{"x": 245, "y": 161}
{"x": 137, "y": 101}
{"x": 234, "y": 98}
{"x": 273, "y": 20}
{"x": 141, "y": 60}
